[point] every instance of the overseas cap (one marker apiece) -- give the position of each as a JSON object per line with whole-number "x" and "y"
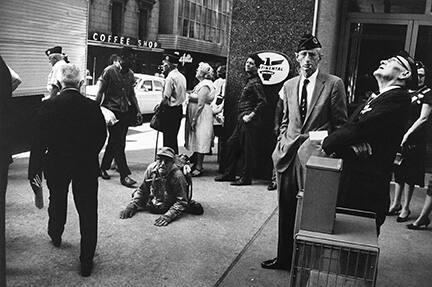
{"x": 54, "y": 50}
{"x": 308, "y": 42}
{"x": 166, "y": 151}
{"x": 172, "y": 58}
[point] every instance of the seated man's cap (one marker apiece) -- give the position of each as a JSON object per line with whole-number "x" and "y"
{"x": 412, "y": 83}
{"x": 172, "y": 58}
{"x": 166, "y": 151}
{"x": 308, "y": 42}
{"x": 54, "y": 50}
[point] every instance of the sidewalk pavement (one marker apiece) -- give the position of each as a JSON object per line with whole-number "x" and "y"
{"x": 223, "y": 247}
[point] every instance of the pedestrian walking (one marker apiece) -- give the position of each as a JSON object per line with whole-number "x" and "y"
{"x": 368, "y": 142}
{"x": 116, "y": 93}
{"x": 70, "y": 132}
{"x": 313, "y": 101}
{"x": 241, "y": 144}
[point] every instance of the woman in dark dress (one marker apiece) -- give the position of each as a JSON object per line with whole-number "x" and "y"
{"x": 411, "y": 169}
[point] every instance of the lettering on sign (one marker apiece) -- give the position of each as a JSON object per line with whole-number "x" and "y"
{"x": 185, "y": 58}
{"x": 128, "y": 41}
{"x": 275, "y": 69}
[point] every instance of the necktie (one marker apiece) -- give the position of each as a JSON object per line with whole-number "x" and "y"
{"x": 303, "y": 101}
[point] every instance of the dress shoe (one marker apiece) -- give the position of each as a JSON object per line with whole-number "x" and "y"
{"x": 405, "y": 218}
{"x": 55, "y": 240}
{"x": 224, "y": 177}
{"x": 127, "y": 181}
{"x": 104, "y": 174}
{"x": 394, "y": 211}
{"x": 272, "y": 186}
{"x": 240, "y": 182}
{"x": 274, "y": 264}
{"x": 421, "y": 225}
{"x": 86, "y": 269}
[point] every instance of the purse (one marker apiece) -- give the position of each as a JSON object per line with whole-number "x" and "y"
{"x": 157, "y": 120}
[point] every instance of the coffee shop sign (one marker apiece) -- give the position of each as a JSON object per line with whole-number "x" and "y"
{"x": 128, "y": 41}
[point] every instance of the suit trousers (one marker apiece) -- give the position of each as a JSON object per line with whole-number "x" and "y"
{"x": 172, "y": 119}
{"x": 84, "y": 189}
{"x": 115, "y": 148}
{"x": 288, "y": 187}
{"x": 240, "y": 147}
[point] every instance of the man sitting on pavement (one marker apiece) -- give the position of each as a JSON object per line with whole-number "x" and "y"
{"x": 165, "y": 190}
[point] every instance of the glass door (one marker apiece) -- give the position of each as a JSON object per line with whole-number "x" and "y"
{"x": 367, "y": 43}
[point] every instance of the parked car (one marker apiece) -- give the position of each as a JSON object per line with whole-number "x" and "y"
{"x": 148, "y": 90}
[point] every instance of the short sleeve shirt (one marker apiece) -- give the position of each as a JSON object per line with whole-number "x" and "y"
{"x": 118, "y": 88}
{"x": 54, "y": 75}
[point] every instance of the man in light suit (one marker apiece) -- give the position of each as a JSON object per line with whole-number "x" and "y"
{"x": 314, "y": 101}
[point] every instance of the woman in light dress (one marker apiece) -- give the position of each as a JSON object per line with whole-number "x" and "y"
{"x": 199, "y": 118}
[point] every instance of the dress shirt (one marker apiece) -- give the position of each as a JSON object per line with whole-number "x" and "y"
{"x": 309, "y": 88}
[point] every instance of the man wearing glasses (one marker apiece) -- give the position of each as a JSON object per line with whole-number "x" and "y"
{"x": 370, "y": 139}
{"x": 313, "y": 102}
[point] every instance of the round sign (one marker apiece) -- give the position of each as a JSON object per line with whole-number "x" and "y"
{"x": 275, "y": 69}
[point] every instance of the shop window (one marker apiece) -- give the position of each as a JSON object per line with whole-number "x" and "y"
{"x": 116, "y": 18}
{"x": 388, "y": 6}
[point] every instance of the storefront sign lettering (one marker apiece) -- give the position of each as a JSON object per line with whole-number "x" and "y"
{"x": 186, "y": 58}
{"x": 128, "y": 41}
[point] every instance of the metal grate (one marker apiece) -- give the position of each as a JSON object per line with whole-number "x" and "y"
{"x": 319, "y": 265}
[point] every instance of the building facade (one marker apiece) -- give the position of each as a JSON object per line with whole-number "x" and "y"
{"x": 196, "y": 30}
{"x": 117, "y": 23}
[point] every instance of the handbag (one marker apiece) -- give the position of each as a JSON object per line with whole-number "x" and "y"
{"x": 110, "y": 118}
{"x": 157, "y": 120}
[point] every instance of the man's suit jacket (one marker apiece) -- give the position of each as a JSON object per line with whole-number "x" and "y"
{"x": 327, "y": 111}
{"x": 381, "y": 123}
{"x": 69, "y": 134}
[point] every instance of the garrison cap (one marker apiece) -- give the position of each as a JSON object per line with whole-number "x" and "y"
{"x": 172, "y": 58}
{"x": 308, "y": 42}
{"x": 412, "y": 83}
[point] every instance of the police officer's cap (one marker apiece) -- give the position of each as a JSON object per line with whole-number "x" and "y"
{"x": 308, "y": 42}
{"x": 171, "y": 58}
{"x": 53, "y": 50}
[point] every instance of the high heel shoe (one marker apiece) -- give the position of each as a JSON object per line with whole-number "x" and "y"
{"x": 405, "y": 218}
{"x": 420, "y": 226}
{"x": 394, "y": 211}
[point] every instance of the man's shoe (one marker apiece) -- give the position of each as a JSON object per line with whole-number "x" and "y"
{"x": 86, "y": 269}
{"x": 272, "y": 186}
{"x": 127, "y": 181}
{"x": 274, "y": 264}
{"x": 56, "y": 240}
{"x": 104, "y": 174}
{"x": 224, "y": 177}
{"x": 240, "y": 182}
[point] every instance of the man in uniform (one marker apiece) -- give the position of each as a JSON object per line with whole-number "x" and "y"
{"x": 313, "y": 101}
{"x": 70, "y": 132}
{"x": 55, "y": 57}
{"x": 240, "y": 144}
{"x": 370, "y": 139}
{"x": 173, "y": 97}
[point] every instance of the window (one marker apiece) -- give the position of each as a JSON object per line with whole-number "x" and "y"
{"x": 158, "y": 86}
{"x": 116, "y": 18}
{"x": 142, "y": 26}
{"x": 388, "y": 6}
{"x": 147, "y": 86}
